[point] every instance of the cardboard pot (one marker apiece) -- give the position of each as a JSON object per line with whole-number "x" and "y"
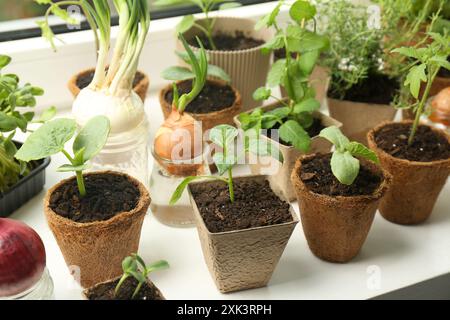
{"x": 140, "y": 88}
{"x": 336, "y": 227}
{"x": 358, "y": 118}
{"x": 211, "y": 119}
{"x": 243, "y": 259}
{"x": 282, "y": 172}
{"x": 416, "y": 185}
{"x": 98, "y": 248}
{"x": 247, "y": 68}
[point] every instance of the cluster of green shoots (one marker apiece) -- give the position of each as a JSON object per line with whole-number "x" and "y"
{"x": 425, "y": 64}
{"x": 52, "y": 136}
{"x": 225, "y": 137}
{"x": 303, "y": 48}
{"x": 206, "y": 6}
{"x": 134, "y": 266}
{"x": 134, "y": 22}
{"x": 15, "y": 101}
{"x": 344, "y": 164}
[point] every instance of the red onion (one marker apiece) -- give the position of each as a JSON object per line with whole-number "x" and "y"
{"x": 22, "y": 257}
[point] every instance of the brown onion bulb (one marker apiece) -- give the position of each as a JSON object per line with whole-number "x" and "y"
{"x": 441, "y": 107}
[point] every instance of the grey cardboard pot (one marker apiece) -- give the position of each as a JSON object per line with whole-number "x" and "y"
{"x": 359, "y": 118}
{"x": 282, "y": 177}
{"x": 247, "y": 68}
{"x": 243, "y": 259}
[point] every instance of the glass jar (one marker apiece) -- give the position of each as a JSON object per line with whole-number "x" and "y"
{"x": 165, "y": 177}
{"x": 42, "y": 290}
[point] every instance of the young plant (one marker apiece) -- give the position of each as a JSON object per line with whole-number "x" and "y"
{"x": 52, "y": 136}
{"x": 425, "y": 65}
{"x": 224, "y": 136}
{"x": 206, "y": 6}
{"x": 303, "y": 47}
{"x": 134, "y": 266}
{"x": 344, "y": 164}
{"x": 15, "y": 101}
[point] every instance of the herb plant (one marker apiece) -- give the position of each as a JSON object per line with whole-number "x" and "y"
{"x": 134, "y": 266}
{"x": 224, "y": 136}
{"x": 206, "y": 6}
{"x": 425, "y": 65}
{"x": 303, "y": 47}
{"x": 344, "y": 164}
{"x": 52, "y": 136}
{"x": 15, "y": 101}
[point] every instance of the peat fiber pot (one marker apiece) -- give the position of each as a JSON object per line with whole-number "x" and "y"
{"x": 105, "y": 290}
{"x": 97, "y": 248}
{"x": 245, "y": 258}
{"x": 282, "y": 172}
{"x": 83, "y": 78}
{"x": 336, "y": 227}
{"x": 359, "y": 117}
{"x": 416, "y": 185}
{"x": 247, "y": 68}
{"x": 210, "y": 119}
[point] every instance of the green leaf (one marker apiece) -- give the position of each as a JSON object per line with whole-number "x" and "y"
{"x": 63, "y": 14}
{"x": 43, "y": 1}
{"x": 344, "y": 167}
{"x": 48, "y": 140}
{"x": 180, "y": 189}
{"x": 336, "y": 137}
{"x": 158, "y": 265}
{"x": 263, "y": 147}
{"x": 293, "y": 133}
{"x": 168, "y": 2}
{"x": 127, "y": 263}
{"x": 183, "y": 55}
{"x": 138, "y": 276}
{"x": 222, "y": 135}
{"x": 276, "y": 73}
{"x": 215, "y": 71}
{"x": 415, "y": 77}
{"x": 223, "y": 162}
{"x": 274, "y": 43}
{"x": 307, "y": 61}
{"x": 441, "y": 60}
{"x": 262, "y": 93}
{"x": 229, "y": 5}
{"x": 47, "y": 115}
{"x": 302, "y": 10}
{"x": 4, "y": 61}
{"x": 72, "y": 168}
{"x": 360, "y": 150}
{"x": 269, "y": 19}
{"x": 177, "y": 74}
{"x": 308, "y": 105}
{"x": 409, "y": 52}
{"x": 47, "y": 33}
{"x": 7, "y": 123}
{"x": 92, "y": 137}
{"x": 185, "y": 24}
{"x": 10, "y": 146}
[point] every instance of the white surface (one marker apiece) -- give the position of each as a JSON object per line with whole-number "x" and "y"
{"x": 395, "y": 255}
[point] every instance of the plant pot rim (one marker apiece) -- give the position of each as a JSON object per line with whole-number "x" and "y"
{"x": 231, "y": 52}
{"x": 379, "y": 105}
{"x": 200, "y": 116}
{"x": 144, "y": 200}
{"x": 418, "y": 164}
{"x": 196, "y": 211}
{"x": 376, "y": 195}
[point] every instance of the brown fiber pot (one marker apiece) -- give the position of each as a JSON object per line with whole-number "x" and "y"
{"x": 141, "y": 87}
{"x": 336, "y": 227}
{"x": 359, "y": 118}
{"x": 416, "y": 185}
{"x": 210, "y": 119}
{"x": 243, "y": 259}
{"x": 99, "y": 247}
{"x": 247, "y": 68}
{"x": 282, "y": 172}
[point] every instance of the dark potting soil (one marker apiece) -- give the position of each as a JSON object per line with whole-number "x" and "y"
{"x": 84, "y": 80}
{"x": 255, "y": 205}
{"x": 107, "y": 195}
{"x": 225, "y": 42}
{"x": 105, "y": 291}
{"x": 313, "y": 131}
{"x": 376, "y": 88}
{"x": 444, "y": 72}
{"x": 213, "y": 97}
{"x": 317, "y": 176}
{"x": 427, "y": 145}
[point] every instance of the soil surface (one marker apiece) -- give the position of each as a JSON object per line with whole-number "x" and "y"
{"x": 317, "y": 176}
{"x": 106, "y": 291}
{"x": 213, "y": 97}
{"x": 255, "y": 205}
{"x": 313, "y": 131}
{"x": 427, "y": 145}
{"x": 107, "y": 195}
{"x": 225, "y": 42}
{"x": 376, "y": 88}
{"x": 84, "y": 80}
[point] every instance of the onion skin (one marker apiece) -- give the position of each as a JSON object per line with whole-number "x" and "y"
{"x": 441, "y": 107}
{"x": 22, "y": 257}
